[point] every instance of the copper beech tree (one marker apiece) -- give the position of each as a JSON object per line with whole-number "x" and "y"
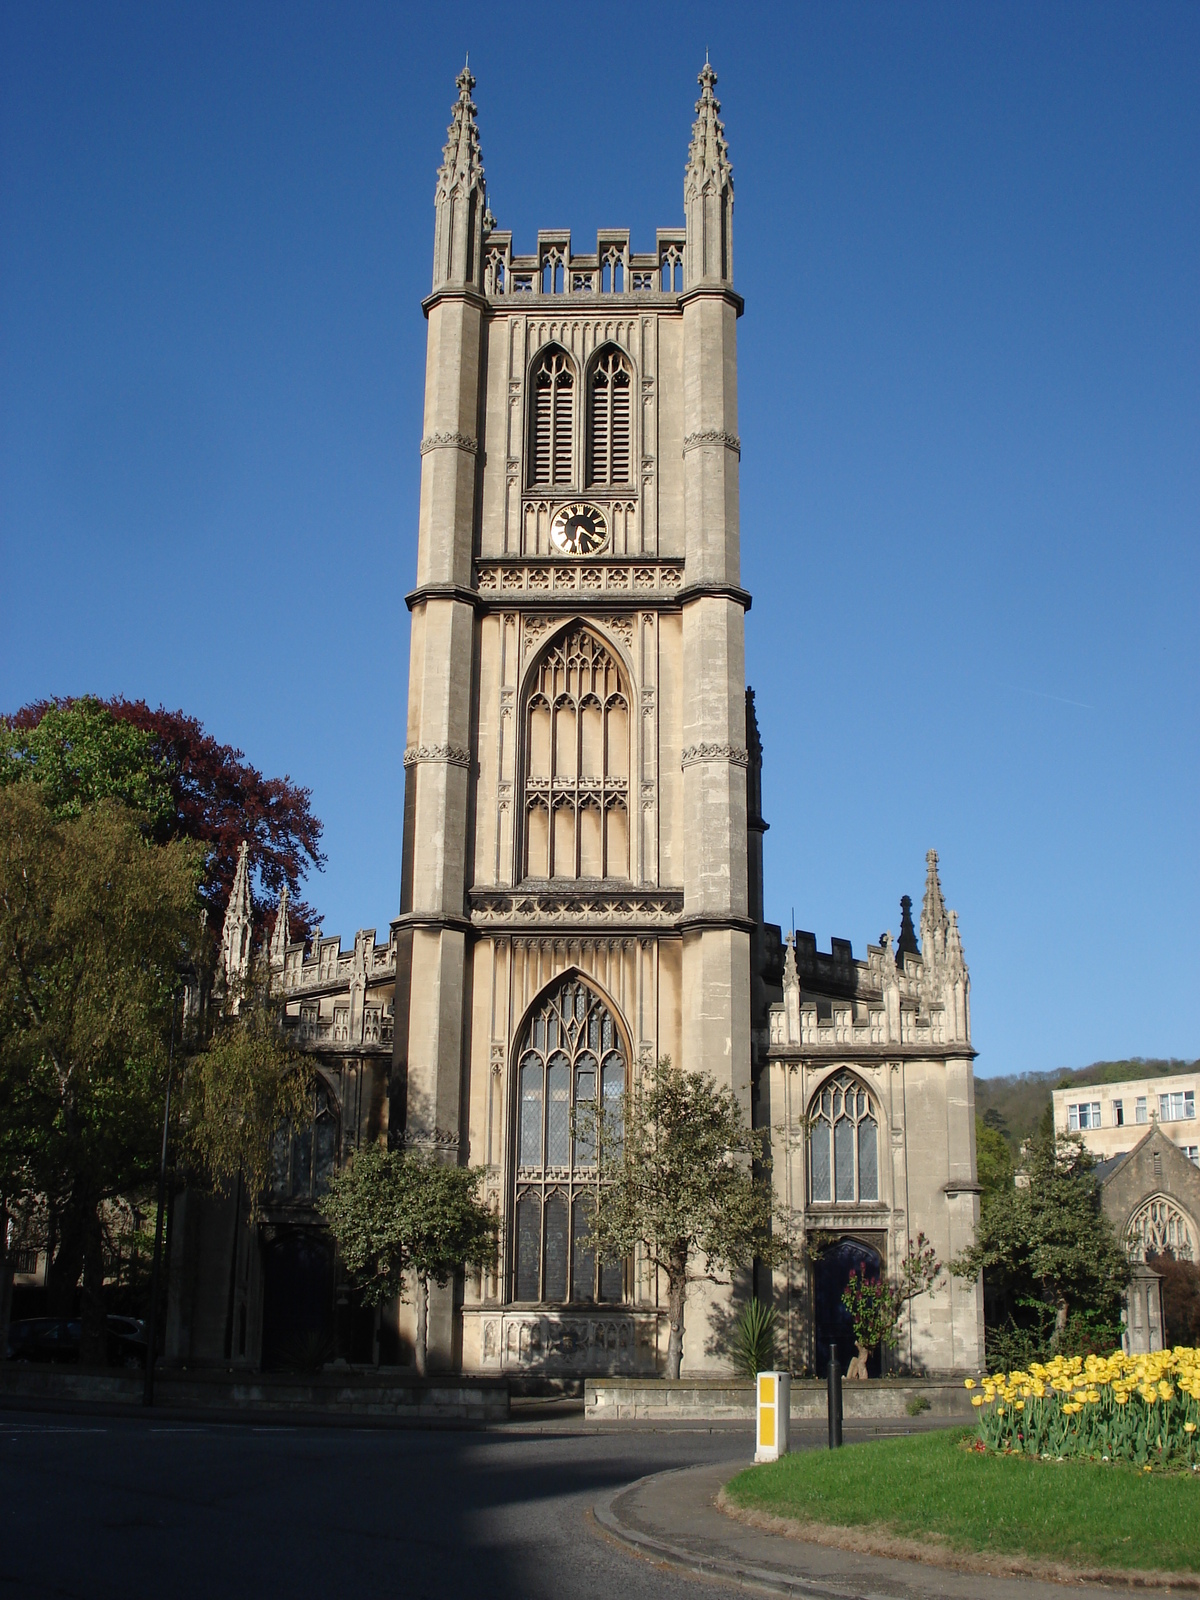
{"x": 186, "y": 783}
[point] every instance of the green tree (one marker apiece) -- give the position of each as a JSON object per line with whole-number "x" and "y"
{"x": 1049, "y": 1243}
{"x": 394, "y": 1213}
{"x": 79, "y": 754}
{"x": 185, "y": 783}
{"x": 681, "y": 1175}
{"x": 993, "y": 1161}
{"x": 242, "y": 1083}
{"x": 94, "y": 924}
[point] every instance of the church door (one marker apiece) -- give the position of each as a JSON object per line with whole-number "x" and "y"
{"x": 298, "y": 1291}
{"x": 831, "y": 1320}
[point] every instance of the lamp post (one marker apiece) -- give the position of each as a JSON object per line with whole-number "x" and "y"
{"x": 152, "y": 1328}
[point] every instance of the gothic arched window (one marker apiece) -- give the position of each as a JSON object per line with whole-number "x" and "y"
{"x": 577, "y": 763}
{"x": 843, "y": 1143}
{"x": 571, "y": 1051}
{"x": 609, "y": 419}
{"x": 552, "y": 420}
{"x": 304, "y": 1158}
{"x": 1159, "y": 1228}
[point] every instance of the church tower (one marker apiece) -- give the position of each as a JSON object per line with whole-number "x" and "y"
{"x": 575, "y": 897}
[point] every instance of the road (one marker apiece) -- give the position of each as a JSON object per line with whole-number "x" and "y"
{"x": 120, "y": 1508}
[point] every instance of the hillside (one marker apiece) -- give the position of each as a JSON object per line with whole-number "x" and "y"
{"x": 1021, "y": 1098}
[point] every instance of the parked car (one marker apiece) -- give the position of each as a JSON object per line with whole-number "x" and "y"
{"x": 56, "y": 1339}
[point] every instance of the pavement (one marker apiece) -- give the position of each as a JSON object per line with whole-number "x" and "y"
{"x": 116, "y": 1507}
{"x": 670, "y": 1518}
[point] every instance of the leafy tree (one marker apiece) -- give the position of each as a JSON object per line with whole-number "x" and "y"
{"x": 240, "y": 1086}
{"x": 394, "y": 1213}
{"x": 993, "y": 1160}
{"x": 188, "y": 785}
{"x": 877, "y": 1304}
{"x": 94, "y": 923}
{"x": 686, "y": 1179}
{"x": 80, "y": 753}
{"x": 1050, "y": 1243}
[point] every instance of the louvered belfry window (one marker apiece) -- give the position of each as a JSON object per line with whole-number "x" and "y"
{"x": 609, "y": 419}
{"x": 552, "y": 420}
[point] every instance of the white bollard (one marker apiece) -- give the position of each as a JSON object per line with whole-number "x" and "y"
{"x": 774, "y": 1411}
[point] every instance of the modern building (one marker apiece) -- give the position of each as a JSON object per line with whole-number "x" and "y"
{"x": 1112, "y": 1118}
{"x": 582, "y": 886}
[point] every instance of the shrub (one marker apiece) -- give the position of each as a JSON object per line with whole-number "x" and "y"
{"x": 754, "y": 1339}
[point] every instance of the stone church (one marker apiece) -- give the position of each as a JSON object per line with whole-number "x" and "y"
{"x": 582, "y": 885}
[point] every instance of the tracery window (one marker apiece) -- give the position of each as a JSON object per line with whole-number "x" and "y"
{"x": 570, "y": 1053}
{"x": 552, "y": 420}
{"x": 609, "y": 419}
{"x": 1157, "y": 1227}
{"x": 304, "y": 1158}
{"x": 577, "y": 763}
{"x": 843, "y": 1143}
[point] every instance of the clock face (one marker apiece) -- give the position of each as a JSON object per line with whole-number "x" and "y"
{"x": 579, "y": 529}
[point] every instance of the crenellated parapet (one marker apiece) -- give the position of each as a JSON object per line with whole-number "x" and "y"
{"x": 917, "y": 999}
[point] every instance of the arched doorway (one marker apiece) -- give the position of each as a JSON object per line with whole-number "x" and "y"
{"x": 831, "y": 1320}
{"x": 298, "y": 1290}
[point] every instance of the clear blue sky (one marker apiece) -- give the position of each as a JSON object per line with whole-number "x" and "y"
{"x": 967, "y": 237}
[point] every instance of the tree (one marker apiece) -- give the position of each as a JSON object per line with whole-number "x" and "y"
{"x": 993, "y": 1160}
{"x": 95, "y": 922}
{"x": 1049, "y": 1243}
{"x": 876, "y": 1305}
{"x": 394, "y": 1213}
{"x": 188, "y": 786}
{"x": 684, "y": 1178}
{"x": 240, "y": 1086}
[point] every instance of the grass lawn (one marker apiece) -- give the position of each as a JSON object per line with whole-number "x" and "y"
{"x": 1076, "y": 1512}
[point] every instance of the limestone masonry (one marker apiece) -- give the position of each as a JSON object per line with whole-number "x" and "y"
{"x": 582, "y": 856}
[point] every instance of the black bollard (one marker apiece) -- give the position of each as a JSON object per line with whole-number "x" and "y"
{"x": 833, "y": 1384}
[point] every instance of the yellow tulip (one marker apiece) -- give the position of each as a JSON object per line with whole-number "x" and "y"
{"x": 977, "y": 1400}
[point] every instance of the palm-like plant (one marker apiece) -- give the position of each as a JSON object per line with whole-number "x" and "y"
{"x": 754, "y": 1339}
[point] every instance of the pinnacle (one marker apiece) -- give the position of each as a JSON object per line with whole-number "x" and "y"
{"x": 465, "y": 81}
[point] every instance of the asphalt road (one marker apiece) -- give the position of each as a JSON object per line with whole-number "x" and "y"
{"x": 129, "y": 1507}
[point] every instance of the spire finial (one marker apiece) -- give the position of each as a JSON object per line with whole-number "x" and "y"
{"x": 708, "y": 191}
{"x": 906, "y": 945}
{"x": 237, "y": 928}
{"x": 934, "y": 922}
{"x": 281, "y": 933}
{"x": 460, "y": 198}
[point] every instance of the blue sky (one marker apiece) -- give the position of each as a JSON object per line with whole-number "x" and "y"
{"x": 967, "y": 237}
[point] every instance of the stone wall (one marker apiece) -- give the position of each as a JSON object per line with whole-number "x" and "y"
{"x": 714, "y": 1400}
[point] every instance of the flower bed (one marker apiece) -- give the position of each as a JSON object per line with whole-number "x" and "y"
{"x": 1140, "y": 1409}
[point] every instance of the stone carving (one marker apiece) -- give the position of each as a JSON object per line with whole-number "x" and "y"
{"x": 538, "y": 908}
{"x": 609, "y": 578}
{"x": 449, "y": 754}
{"x": 732, "y": 753}
{"x": 704, "y": 436}
{"x": 429, "y": 1139}
{"x": 449, "y": 441}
